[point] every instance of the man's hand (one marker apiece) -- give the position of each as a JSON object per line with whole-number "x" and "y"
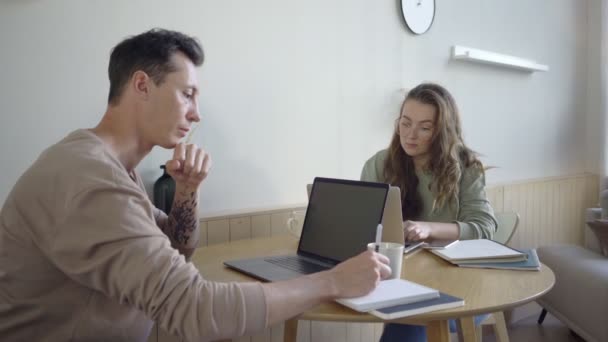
{"x": 189, "y": 167}
{"x": 415, "y": 231}
{"x": 354, "y": 277}
{"x": 359, "y": 275}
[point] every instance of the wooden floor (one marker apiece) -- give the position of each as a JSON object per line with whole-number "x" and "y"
{"x": 525, "y": 329}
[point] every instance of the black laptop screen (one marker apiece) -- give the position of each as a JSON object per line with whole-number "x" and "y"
{"x": 341, "y": 218}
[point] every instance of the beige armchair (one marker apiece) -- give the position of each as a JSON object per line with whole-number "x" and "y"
{"x": 580, "y": 296}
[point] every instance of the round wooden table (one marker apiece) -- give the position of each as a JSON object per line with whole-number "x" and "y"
{"x": 484, "y": 290}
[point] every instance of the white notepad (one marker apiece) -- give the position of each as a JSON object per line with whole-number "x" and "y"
{"x": 390, "y": 293}
{"x": 479, "y": 250}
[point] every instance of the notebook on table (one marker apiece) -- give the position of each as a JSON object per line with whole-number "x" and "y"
{"x": 532, "y": 263}
{"x": 442, "y": 302}
{"x": 480, "y": 250}
{"x": 390, "y": 293}
{"x": 341, "y": 219}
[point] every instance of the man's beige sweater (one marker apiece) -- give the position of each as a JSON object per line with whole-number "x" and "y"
{"x": 82, "y": 259}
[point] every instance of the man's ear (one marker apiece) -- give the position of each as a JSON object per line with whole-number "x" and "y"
{"x": 141, "y": 84}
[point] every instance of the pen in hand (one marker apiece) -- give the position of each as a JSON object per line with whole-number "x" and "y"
{"x": 378, "y": 237}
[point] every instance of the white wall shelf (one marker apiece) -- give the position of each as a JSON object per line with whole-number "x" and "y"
{"x": 487, "y": 57}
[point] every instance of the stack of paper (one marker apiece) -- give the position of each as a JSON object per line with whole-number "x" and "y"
{"x": 389, "y": 293}
{"x": 444, "y": 301}
{"x": 484, "y": 253}
{"x": 397, "y": 298}
{"x": 532, "y": 263}
{"x": 479, "y": 250}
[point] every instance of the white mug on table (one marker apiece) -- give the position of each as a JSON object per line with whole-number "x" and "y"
{"x": 295, "y": 222}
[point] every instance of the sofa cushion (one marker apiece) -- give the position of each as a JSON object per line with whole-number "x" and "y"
{"x": 600, "y": 228}
{"x": 580, "y": 295}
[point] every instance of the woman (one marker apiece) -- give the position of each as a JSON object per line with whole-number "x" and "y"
{"x": 441, "y": 180}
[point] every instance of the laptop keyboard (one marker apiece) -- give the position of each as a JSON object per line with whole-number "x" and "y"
{"x": 294, "y": 263}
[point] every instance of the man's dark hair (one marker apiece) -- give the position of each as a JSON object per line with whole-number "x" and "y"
{"x": 149, "y": 52}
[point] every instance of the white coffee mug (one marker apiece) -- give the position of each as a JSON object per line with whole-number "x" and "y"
{"x": 394, "y": 252}
{"x": 295, "y": 222}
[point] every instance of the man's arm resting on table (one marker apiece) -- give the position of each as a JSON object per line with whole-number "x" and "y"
{"x": 352, "y": 278}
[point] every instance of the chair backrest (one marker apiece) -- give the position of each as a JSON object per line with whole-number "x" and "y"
{"x": 507, "y": 224}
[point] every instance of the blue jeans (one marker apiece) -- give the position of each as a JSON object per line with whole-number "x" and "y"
{"x": 394, "y": 332}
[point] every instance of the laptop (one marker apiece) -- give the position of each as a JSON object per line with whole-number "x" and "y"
{"x": 392, "y": 218}
{"x": 340, "y": 221}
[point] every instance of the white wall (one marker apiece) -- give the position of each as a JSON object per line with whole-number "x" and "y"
{"x": 296, "y": 89}
{"x": 596, "y": 66}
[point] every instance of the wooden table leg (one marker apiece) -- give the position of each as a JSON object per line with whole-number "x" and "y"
{"x": 438, "y": 331}
{"x": 290, "y": 333}
{"x": 466, "y": 329}
{"x": 500, "y": 327}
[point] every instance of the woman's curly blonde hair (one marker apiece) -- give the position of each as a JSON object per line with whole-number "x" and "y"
{"x": 449, "y": 155}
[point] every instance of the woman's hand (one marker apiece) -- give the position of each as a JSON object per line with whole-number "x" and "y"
{"x": 419, "y": 230}
{"x": 415, "y": 231}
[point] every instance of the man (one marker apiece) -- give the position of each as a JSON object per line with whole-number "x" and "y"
{"x": 81, "y": 253}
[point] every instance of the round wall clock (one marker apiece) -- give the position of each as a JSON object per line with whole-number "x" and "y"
{"x": 418, "y": 14}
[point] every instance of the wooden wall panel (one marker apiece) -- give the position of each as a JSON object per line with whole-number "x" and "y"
{"x": 328, "y": 332}
{"x": 304, "y": 331}
{"x": 495, "y": 196}
{"x": 203, "y": 234}
{"x": 260, "y": 225}
{"x": 278, "y": 223}
{"x": 551, "y": 211}
{"x": 218, "y": 231}
{"x": 240, "y": 228}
